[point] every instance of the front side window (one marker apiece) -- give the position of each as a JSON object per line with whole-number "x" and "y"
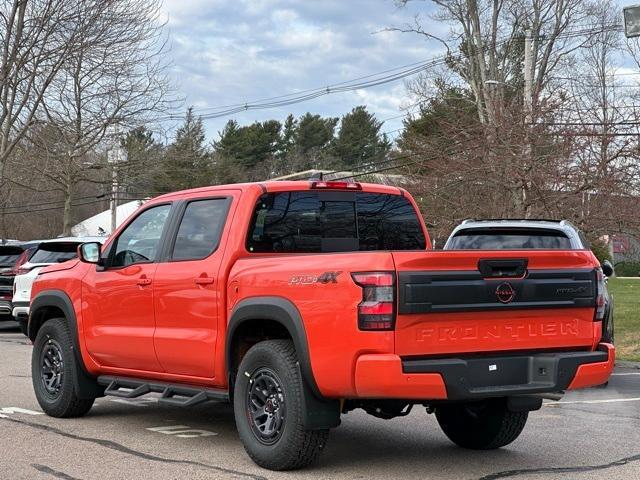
{"x": 312, "y": 222}
{"x": 140, "y": 241}
{"x": 200, "y": 229}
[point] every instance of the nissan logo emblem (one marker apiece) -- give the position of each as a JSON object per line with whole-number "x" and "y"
{"x": 505, "y": 293}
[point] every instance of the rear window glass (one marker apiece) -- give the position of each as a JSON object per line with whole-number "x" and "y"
{"x": 495, "y": 239}
{"x": 55, "y": 252}
{"x": 310, "y": 222}
{"x": 9, "y": 255}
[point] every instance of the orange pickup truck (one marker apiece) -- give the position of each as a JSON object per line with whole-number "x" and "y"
{"x": 301, "y": 301}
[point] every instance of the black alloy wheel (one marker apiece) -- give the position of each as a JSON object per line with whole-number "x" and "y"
{"x": 266, "y": 406}
{"x": 52, "y": 367}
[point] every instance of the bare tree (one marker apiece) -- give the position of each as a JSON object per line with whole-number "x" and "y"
{"x": 516, "y": 101}
{"x": 485, "y": 47}
{"x": 600, "y": 116}
{"x": 115, "y": 79}
{"x": 36, "y": 38}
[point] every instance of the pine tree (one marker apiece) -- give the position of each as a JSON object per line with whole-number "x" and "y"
{"x": 314, "y": 133}
{"x": 359, "y": 140}
{"x": 187, "y": 162}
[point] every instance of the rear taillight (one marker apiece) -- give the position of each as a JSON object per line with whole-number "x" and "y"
{"x": 600, "y": 298}
{"x": 22, "y": 271}
{"x": 377, "y": 310}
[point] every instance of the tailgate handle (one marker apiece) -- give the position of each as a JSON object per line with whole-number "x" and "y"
{"x": 516, "y": 268}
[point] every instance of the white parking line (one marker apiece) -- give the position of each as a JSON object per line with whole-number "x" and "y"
{"x": 624, "y": 374}
{"x": 611, "y": 400}
{"x": 13, "y": 410}
{"x": 182, "y": 431}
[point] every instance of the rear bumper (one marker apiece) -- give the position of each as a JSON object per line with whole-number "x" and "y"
{"x": 388, "y": 376}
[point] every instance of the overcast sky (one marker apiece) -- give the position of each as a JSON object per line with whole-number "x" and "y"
{"x": 225, "y": 52}
{"x": 235, "y": 51}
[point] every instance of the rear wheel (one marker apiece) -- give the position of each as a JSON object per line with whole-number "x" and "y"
{"x": 54, "y": 370}
{"x": 485, "y": 425}
{"x": 268, "y": 407}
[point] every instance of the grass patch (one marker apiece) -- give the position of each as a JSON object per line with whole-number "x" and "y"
{"x": 626, "y": 297}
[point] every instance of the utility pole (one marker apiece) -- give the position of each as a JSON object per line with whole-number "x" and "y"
{"x": 528, "y": 76}
{"x": 113, "y": 204}
{"x": 117, "y": 155}
{"x": 528, "y": 109}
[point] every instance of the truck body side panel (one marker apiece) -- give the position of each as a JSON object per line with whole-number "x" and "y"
{"x": 328, "y": 308}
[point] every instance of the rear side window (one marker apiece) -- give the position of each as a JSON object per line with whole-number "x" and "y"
{"x": 55, "y": 252}
{"x": 312, "y": 222}
{"x": 509, "y": 239}
{"x": 200, "y": 229}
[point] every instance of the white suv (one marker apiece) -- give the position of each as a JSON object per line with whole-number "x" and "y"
{"x": 49, "y": 252}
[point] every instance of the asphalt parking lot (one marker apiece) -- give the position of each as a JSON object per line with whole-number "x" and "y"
{"x": 588, "y": 435}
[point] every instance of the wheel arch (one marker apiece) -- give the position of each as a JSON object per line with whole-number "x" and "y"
{"x": 50, "y": 304}
{"x": 270, "y": 309}
{"x": 318, "y": 412}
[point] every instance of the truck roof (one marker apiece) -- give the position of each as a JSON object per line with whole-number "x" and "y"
{"x": 279, "y": 186}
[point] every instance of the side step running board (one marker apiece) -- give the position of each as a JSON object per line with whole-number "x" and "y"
{"x": 172, "y": 394}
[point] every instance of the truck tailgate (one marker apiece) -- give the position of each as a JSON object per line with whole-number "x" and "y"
{"x": 480, "y": 301}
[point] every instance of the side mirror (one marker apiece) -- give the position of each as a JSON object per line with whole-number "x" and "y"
{"x": 89, "y": 253}
{"x": 607, "y": 269}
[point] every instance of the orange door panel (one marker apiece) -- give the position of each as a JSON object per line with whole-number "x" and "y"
{"x": 120, "y": 323}
{"x": 186, "y": 305}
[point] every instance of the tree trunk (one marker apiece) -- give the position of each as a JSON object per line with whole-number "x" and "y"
{"x": 66, "y": 217}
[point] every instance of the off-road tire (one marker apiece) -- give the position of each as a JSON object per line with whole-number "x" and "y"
{"x": 295, "y": 447}
{"x": 65, "y": 403}
{"x": 483, "y": 425}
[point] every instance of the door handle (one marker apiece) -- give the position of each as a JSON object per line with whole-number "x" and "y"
{"x": 144, "y": 281}
{"x": 204, "y": 280}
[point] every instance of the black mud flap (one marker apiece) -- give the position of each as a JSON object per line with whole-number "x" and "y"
{"x": 319, "y": 414}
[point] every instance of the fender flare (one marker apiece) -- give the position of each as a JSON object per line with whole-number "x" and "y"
{"x": 319, "y": 412}
{"x": 86, "y": 384}
{"x": 284, "y": 312}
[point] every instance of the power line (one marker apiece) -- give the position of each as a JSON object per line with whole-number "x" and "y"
{"x": 367, "y": 81}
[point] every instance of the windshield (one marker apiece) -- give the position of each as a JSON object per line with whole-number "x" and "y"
{"x": 55, "y": 252}
{"x": 509, "y": 239}
{"x": 9, "y": 255}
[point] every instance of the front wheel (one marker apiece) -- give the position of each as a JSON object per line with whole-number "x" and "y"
{"x": 53, "y": 372}
{"x": 268, "y": 408}
{"x": 484, "y": 425}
